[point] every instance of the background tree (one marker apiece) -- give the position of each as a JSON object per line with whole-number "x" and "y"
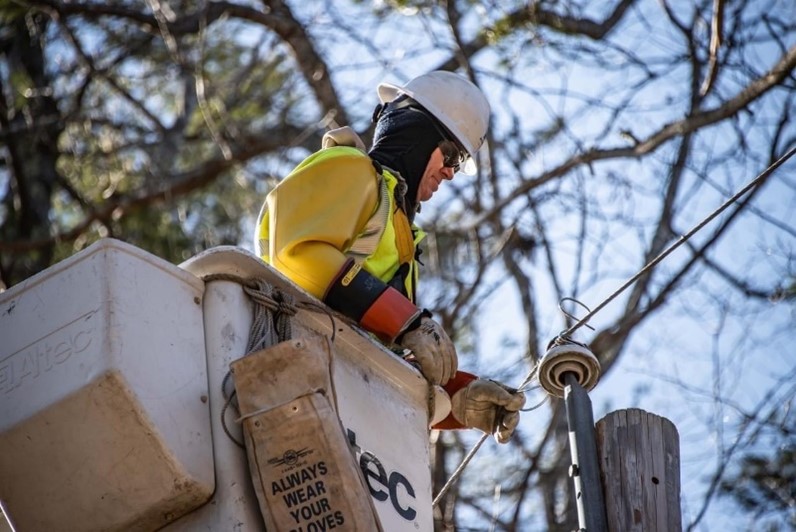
{"x": 617, "y": 126}
{"x": 763, "y": 479}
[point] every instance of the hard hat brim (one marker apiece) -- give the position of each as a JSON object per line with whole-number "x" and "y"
{"x": 388, "y": 92}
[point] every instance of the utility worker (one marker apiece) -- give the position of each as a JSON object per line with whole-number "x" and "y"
{"x": 341, "y": 226}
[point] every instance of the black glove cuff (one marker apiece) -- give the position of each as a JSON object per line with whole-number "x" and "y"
{"x": 354, "y": 291}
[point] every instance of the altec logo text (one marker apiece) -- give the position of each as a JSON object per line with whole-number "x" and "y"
{"x": 383, "y": 485}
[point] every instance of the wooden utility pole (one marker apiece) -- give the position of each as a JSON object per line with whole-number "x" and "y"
{"x": 639, "y": 457}
{"x": 626, "y": 471}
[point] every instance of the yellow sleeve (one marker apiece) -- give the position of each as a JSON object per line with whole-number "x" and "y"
{"x": 316, "y": 213}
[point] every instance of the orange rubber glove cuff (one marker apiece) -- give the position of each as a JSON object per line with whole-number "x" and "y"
{"x": 389, "y": 315}
{"x": 376, "y": 307}
{"x": 459, "y": 381}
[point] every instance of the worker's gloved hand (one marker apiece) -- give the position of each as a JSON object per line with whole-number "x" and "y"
{"x": 488, "y": 406}
{"x": 432, "y": 349}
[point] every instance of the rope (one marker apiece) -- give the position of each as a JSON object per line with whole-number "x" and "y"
{"x": 274, "y": 300}
{"x": 665, "y": 253}
{"x": 466, "y": 460}
{"x": 227, "y": 403}
{"x": 268, "y": 408}
{"x": 564, "y": 336}
{"x": 459, "y": 470}
{"x": 272, "y": 311}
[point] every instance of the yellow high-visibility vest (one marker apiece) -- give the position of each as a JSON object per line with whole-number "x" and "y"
{"x": 344, "y": 175}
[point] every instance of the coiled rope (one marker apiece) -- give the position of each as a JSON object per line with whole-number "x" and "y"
{"x": 272, "y": 311}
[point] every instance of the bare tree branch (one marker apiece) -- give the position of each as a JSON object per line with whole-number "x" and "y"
{"x": 698, "y": 120}
{"x": 277, "y": 16}
{"x": 171, "y": 188}
{"x": 715, "y": 43}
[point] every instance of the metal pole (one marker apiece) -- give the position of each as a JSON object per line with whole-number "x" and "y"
{"x": 585, "y": 469}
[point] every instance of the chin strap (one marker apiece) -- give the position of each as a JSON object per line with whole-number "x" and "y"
{"x": 376, "y": 307}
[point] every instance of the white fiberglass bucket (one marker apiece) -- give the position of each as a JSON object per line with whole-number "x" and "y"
{"x": 104, "y": 415}
{"x": 383, "y": 406}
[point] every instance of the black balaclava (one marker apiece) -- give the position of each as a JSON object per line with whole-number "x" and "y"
{"x": 403, "y": 141}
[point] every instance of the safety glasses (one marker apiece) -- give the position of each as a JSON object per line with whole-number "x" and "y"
{"x": 452, "y": 155}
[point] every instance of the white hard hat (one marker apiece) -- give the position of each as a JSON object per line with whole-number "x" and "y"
{"x": 453, "y": 100}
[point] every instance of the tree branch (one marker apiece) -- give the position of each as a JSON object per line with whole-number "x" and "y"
{"x": 698, "y": 120}
{"x": 535, "y": 15}
{"x": 169, "y": 189}
{"x": 276, "y": 16}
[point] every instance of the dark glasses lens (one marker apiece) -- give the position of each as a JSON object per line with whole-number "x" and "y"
{"x": 452, "y": 156}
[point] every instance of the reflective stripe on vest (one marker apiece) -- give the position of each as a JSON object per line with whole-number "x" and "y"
{"x": 385, "y": 261}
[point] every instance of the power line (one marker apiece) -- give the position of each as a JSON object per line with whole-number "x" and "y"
{"x": 665, "y": 253}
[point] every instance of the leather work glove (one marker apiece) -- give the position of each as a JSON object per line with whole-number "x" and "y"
{"x": 432, "y": 349}
{"x": 488, "y": 406}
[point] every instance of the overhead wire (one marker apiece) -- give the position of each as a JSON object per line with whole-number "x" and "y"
{"x": 584, "y": 320}
{"x": 680, "y": 241}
